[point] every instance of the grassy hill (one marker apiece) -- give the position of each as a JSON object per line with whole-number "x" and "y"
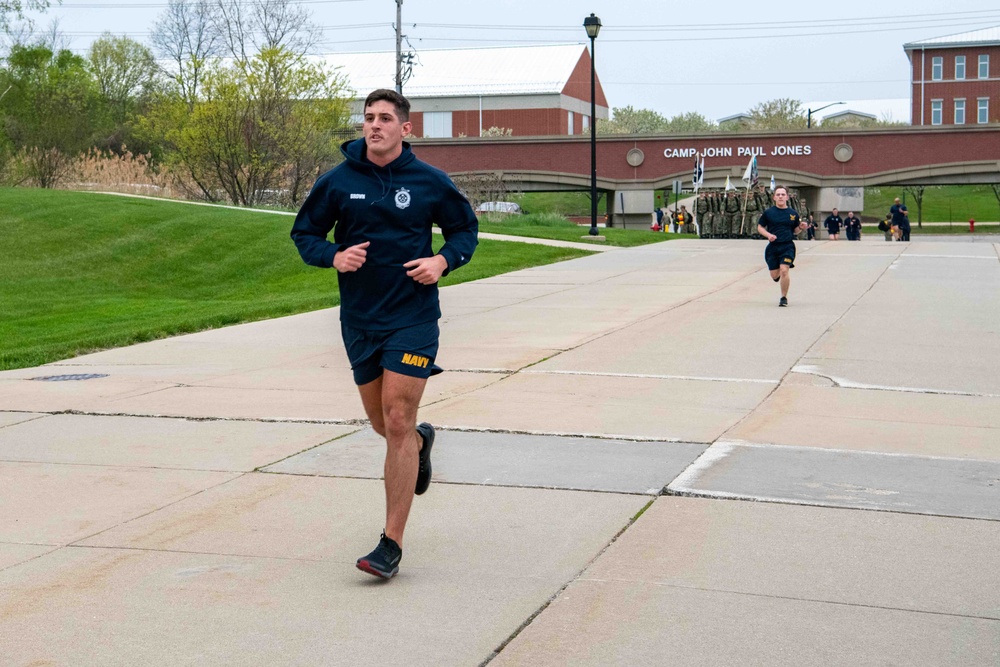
{"x": 948, "y": 203}
{"x": 84, "y": 271}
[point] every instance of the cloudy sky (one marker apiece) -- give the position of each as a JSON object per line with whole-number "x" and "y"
{"x": 716, "y": 57}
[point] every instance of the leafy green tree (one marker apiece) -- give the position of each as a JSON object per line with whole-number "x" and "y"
{"x": 690, "y": 122}
{"x": 261, "y": 128}
{"x": 779, "y": 114}
{"x": 125, "y": 71}
{"x": 126, "y": 74}
{"x": 51, "y": 111}
{"x": 626, "y": 120}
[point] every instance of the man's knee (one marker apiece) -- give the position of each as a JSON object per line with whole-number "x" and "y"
{"x": 400, "y": 420}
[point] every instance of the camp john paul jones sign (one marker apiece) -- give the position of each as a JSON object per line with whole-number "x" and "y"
{"x": 738, "y": 151}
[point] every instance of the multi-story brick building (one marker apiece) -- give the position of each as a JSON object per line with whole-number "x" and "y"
{"x": 531, "y": 91}
{"x": 955, "y": 80}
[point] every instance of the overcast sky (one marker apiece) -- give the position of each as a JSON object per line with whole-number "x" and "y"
{"x": 716, "y": 57}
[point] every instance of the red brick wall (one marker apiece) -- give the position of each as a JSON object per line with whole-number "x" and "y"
{"x": 578, "y": 85}
{"x": 948, "y": 89}
{"x": 874, "y": 153}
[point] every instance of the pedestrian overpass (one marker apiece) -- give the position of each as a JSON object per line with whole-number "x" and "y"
{"x": 829, "y": 168}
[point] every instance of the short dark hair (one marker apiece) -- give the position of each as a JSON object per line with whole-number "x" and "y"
{"x": 401, "y": 104}
{"x": 779, "y": 187}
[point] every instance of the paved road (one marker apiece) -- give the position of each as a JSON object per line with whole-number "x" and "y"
{"x": 642, "y": 460}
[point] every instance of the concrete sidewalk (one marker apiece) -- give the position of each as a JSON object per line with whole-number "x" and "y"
{"x": 641, "y": 460}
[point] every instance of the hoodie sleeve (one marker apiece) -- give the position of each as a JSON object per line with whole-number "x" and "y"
{"x": 459, "y": 224}
{"x": 313, "y": 223}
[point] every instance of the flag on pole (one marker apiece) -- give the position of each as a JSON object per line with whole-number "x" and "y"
{"x": 729, "y": 186}
{"x": 772, "y": 182}
{"x": 750, "y": 175}
{"x": 698, "y": 176}
{"x": 701, "y": 172}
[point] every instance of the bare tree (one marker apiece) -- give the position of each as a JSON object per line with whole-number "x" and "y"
{"x": 996, "y": 191}
{"x": 247, "y": 28}
{"x": 185, "y": 36}
{"x": 15, "y": 8}
{"x": 917, "y": 192}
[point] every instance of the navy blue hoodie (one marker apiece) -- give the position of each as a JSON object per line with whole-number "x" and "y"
{"x": 393, "y": 207}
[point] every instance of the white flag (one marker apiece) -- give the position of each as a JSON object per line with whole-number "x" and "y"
{"x": 701, "y": 172}
{"x": 772, "y": 182}
{"x": 729, "y": 186}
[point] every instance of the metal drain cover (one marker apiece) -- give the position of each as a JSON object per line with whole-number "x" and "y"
{"x": 70, "y": 377}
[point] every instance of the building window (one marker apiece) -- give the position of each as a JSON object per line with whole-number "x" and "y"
{"x": 983, "y": 110}
{"x": 569, "y": 121}
{"x": 984, "y": 66}
{"x": 937, "y": 68}
{"x": 959, "y": 112}
{"x": 437, "y": 124}
{"x": 936, "y": 113}
{"x": 959, "y": 68}
{"x": 586, "y": 124}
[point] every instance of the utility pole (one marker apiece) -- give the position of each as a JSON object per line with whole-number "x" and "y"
{"x": 399, "y": 46}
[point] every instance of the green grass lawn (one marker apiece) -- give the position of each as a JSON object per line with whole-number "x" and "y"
{"x": 83, "y": 272}
{"x": 551, "y": 226}
{"x": 948, "y": 203}
{"x": 959, "y": 228}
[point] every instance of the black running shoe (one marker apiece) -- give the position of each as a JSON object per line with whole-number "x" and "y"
{"x": 426, "y": 432}
{"x": 384, "y": 561}
{"x": 783, "y": 302}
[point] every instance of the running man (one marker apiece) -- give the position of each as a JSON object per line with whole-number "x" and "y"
{"x": 381, "y": 201}
{"x": 779, "y": 225}
{"x": 832, "y": 224}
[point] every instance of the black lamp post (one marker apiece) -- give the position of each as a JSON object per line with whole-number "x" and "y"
{"x": 592, "y": 25}
{"x": 809, "y": 112}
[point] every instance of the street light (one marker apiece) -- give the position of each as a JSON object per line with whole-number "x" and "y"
{"x": 809, "y": 112}
{"x": 592, "y": 25}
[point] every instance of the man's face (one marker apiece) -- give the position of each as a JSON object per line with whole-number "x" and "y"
{"x": 780, "y": 196}
{"x": 835, "y": 211}
{"x": 850, "y": 214}
{"x": 384, "y": 132}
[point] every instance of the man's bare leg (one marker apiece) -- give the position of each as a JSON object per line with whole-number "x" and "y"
{"x": 391, "y": 404}
{"x": 784, "y": 279}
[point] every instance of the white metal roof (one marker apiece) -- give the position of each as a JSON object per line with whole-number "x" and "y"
{"x": 975, "y": 37}
{"x": 522, "y": 70}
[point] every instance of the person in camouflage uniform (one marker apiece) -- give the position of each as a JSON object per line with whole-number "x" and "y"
{"x": 732, "y": 216}
{"x": 701, "y": 207}
{"x": 752, "y": 207}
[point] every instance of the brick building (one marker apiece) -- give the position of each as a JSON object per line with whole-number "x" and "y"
{"x": 532, "y": 91}
{"x": 955, "y": 80}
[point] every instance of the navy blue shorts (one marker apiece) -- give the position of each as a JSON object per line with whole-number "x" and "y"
{"x": 408, "y": 351}
{"x": 776, "y": 254}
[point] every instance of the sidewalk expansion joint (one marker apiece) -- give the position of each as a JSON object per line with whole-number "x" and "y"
{"x": 843, "y": 383}
{"x": 724, "y": 591}
{"x": 545, "y": 605}
{"x": 266, "y": 420}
